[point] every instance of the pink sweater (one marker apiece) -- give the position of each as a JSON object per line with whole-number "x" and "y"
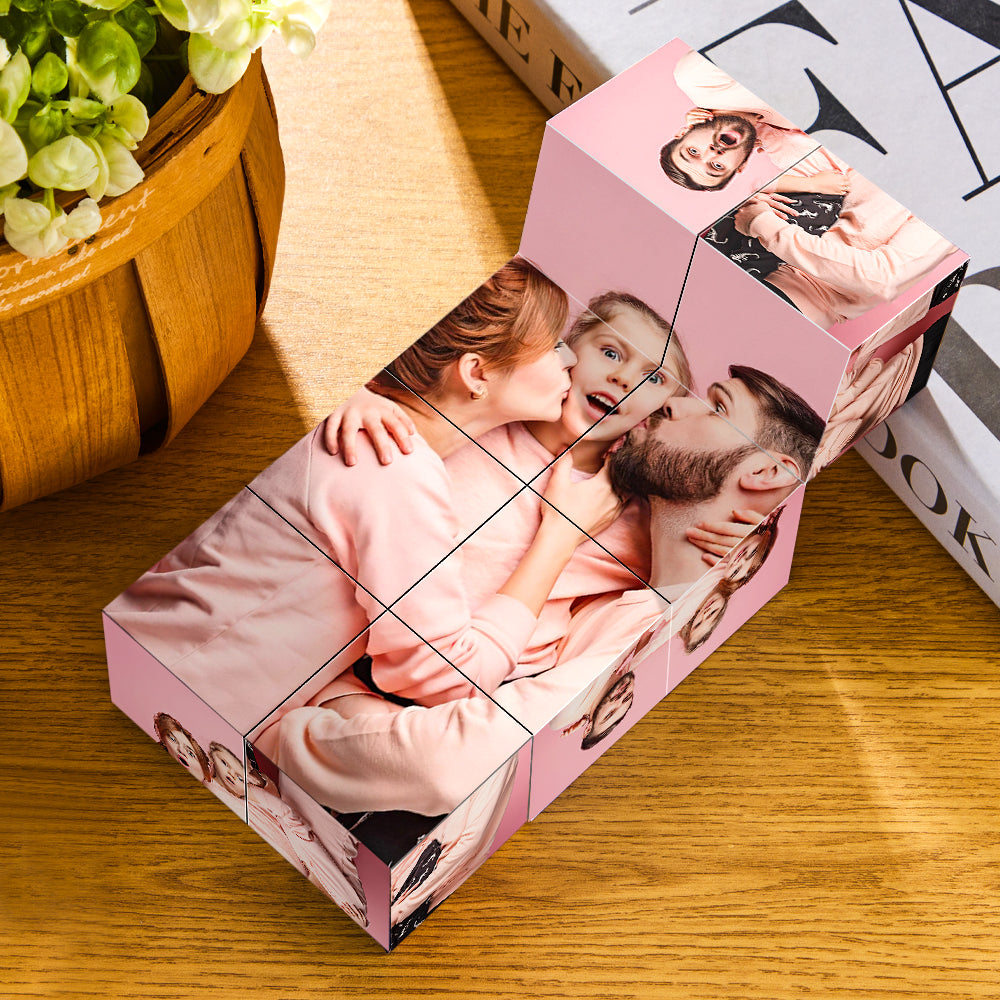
{"x": 355, "y": 751}
{"x": 246, "y": 609}
{"x": 493, "y": 552}
{"x": 872, "y": 253}
{"x": 427, "y": 760}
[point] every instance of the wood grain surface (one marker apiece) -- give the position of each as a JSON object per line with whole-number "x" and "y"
{"x": 813, "y": 813}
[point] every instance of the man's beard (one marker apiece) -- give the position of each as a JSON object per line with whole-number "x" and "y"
{"x": 649, "y": 468}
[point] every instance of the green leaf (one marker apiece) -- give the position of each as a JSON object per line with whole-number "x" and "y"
{"x": 36, "y": 40}
{"x": 110, "y": 5}
{"x": 83, "y": 109}
{"x": 29, "y": 109}
{"x": 13, "y": 156}
{"x": 99, "y": 185}
{"x": 123, "y": 172}
{"x": 15, "y": 85}
{"x": 212, "y": 69}
{"x": 129, "y": 114}
{"x": 68, "y": 164}
{"x": 108, "y": 59}
{"x": 45, "y": 127}
{"x": 13, "y": 26}
{"x": 144, "y": 89}
{"x": 49, "y": 76}
{"x": 67, "y": 17}
{"x": 140, "y": 24}
{"x": 28, "y": 6}
{"x": 176, "y": 12}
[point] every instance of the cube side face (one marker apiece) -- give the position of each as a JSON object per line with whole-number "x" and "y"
{"x": 732, "y": 592}
{"x": 318, "y": 846}
{"x": 684, "y": 135}
{"x": 172, "y": 715}
{"x": 837, "y": 247}
{"x": 215, "y": 754}
{"x": 615, "y": 693}
{"x": 889, "y": 368}
{"x": 459, "y": 844}
{"x": 592, "y": 233}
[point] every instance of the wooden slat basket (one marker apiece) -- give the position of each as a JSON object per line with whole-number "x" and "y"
{"x": 108, "y": 348}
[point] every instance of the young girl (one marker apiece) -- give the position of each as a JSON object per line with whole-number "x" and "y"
{"x": 182, "y": 746}
{"x": 618, "y": 380}
{"x": 244, "y": 611}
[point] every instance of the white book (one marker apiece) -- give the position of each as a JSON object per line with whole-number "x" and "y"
{"x": 906, "y": 92}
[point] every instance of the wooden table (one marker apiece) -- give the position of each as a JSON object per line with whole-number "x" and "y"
{"x": 813, "y": 813}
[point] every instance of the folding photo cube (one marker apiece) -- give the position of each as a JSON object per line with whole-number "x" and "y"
{"x": 614, "y": 433}
{"x": 770, "y": 253}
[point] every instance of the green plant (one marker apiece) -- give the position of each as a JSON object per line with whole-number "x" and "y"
{"x": 79, "y": 80}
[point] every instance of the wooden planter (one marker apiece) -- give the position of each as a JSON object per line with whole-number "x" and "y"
{"x": 108, "y": 348}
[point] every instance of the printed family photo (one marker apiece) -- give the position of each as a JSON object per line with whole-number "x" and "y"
{"x": 557, "y": 486}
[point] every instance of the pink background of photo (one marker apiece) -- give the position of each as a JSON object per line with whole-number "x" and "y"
{"x": 728, "y": 317}
{"x": 749, "y": 599}
{"x": 558, "y": 760}
{"x": 591, "y": 233}
{"x": 624, "y": 123}
{"x": 141, "y": 686}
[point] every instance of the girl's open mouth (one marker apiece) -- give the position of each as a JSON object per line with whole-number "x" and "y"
{"x": 603, "y": 403}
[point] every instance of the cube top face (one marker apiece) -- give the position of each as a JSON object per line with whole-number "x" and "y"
{"x": 835, "y": 246}
{"x": 684, "y": 135}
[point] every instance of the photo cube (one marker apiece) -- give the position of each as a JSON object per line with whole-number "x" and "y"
{"x": 397, "y": 651}
{"x": 630, "y": 174}
{"x": 846, "y": 270}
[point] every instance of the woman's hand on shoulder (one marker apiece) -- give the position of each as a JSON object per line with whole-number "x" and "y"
{"x": 383, "y": 420}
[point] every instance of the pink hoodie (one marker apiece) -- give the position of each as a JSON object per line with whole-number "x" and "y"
{"x": 872, "y": 253}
